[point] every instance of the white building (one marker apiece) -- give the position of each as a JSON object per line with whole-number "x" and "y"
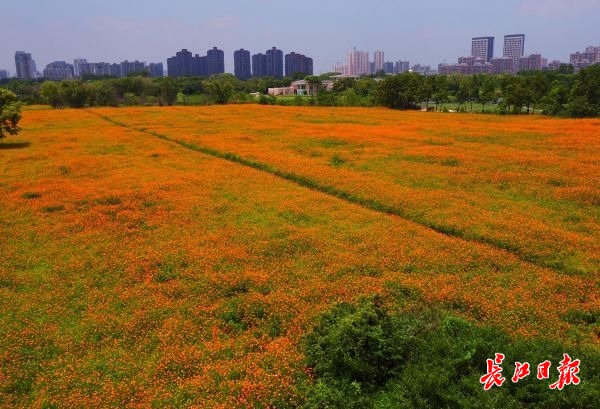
{"x": 514, "y": 47}
{"x": 59, "y": 70}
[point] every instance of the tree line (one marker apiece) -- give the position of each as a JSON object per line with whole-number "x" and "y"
{"x": 554, "y": 93}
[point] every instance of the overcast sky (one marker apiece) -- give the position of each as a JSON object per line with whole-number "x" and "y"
{"x": 427, "y": 32}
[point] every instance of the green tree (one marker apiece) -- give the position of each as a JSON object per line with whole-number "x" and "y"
{"x": 102, "y": 93}
{"x": 585, "y": 94}
{"x": 487, "y": 92}
{"x": 426, "y": 90}
{"x": 168, "y": 91}
{"x": 402, "y": 91}
{"x": 74, "y": 93}
{"x": 343, "y": 84}
{"x": 351, "y": 99}
{"x": 51, "y": 94}
{"x": 553, "y": 103}
{"x": 220, "y": 87}
{"x": 464, "y": 90}
{"x": 365, "y": 86}
{"x": 440, "y": 90}
{"x": 10, "y": 113}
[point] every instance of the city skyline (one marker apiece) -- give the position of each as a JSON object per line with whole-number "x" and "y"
{"x": 425, "y": 34}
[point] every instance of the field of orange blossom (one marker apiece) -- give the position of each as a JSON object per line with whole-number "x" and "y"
{"x": 165, "y": 257}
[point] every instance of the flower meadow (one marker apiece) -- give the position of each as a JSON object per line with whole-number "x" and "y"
{"x": 180, "y": 256}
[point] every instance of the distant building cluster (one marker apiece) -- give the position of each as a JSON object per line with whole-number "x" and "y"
{"x": 183, "y": 63}
{"x": 584, "y": 59}
{"x": 269, "y": 64}
{"x": 273, "y": 63}
{"x": 61, "y": 70}
{"x": 358, "y": 63}
{"x": 482, "y": 58}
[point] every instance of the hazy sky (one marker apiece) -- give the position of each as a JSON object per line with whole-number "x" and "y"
{"x": 428, "y": 32}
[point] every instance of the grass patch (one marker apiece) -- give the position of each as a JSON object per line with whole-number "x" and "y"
{"x": 53, "y": 209}
{"x": 451, "y": 162}
{"x": 108, "y": 201}
{"x": 337, "y": 161}
{"x": 31, "y": 195}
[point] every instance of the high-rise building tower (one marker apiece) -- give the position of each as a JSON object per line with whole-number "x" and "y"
{"x": 482, "y": 47}
{"x": 402, "y": 66}
{"x": 79, "y": 65}
{"x": 26, "y": 68}
{"x": 58, "y": 71}
{"x": 181, "y": 64}
{"x": 378, "y": 60}
{"x": 259, "y": 65}
{"x": 156, "y": 70}
{"x": 514, "y": 47}
{"x": 132, "y": 67}
{"x": 298, "y": 63}
{"x": 274, "y": 63}
{"x": 358, "y": 62}
{"x": 215, "y": 61}
{"x": 241, "y": 64}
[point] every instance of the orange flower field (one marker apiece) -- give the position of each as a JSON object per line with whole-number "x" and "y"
{"x": 176, "y": 256}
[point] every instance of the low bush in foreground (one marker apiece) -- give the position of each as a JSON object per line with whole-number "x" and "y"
{"x": 364, "y": 357}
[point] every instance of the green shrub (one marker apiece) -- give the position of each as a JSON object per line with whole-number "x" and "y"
{"x": 363, "y": 356}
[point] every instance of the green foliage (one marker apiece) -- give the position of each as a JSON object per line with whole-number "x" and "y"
{"x": 585, "y": 94}
{"x": 327, "y": 98}
{"x": 555, "y": 92}
{"x": 168, "y": 91}
{"x": 365, "y": 357}
{"x": 10, "y": 113}
{"x": 221, "y": 87}
{"x": 402, "y": 91}
{"x": 358, "y": 343}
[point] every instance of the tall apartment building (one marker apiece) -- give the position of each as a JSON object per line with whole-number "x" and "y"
{"x": 274, "y": 63}
{"x": 77, "y": 64}
{"x": 4, "y": 74}
{"x": 200, "y": 66}
{"x": 378, "y": 61}
{"x": 102, "y": 69}
{"x": 358, "y": 62}
{"x": 180, "y": 65}
{"x": 25, "y": 65}
{"x": 115, "y": 70}
{"x": 156, "y": 70}
{"x": 340, "y": 68}
{"x": 514, "y": 47}
{"x": 482, "y": 47}
{"x": 242, "y": 68}
{"x": 131, "y": 67}
{"x": 298, "y": 63}
{"x": 402, "y": 66}
{"x": 58, "y": 71}
{"x": 388, "y": 67}
{"x": 215, "y": 61}
{"x": 259, "y": 65}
